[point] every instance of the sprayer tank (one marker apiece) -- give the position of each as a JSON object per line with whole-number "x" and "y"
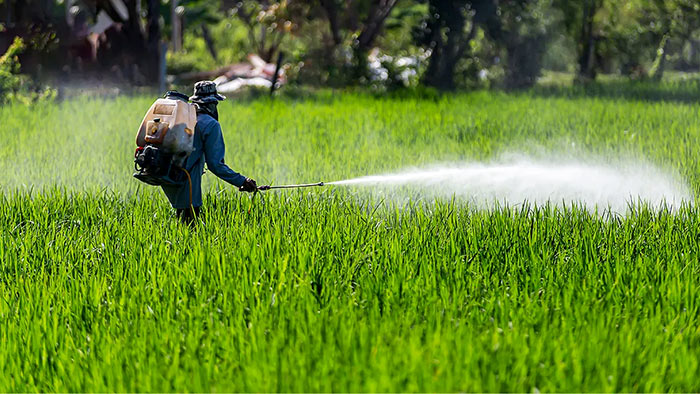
{"x": 169, "y": 123}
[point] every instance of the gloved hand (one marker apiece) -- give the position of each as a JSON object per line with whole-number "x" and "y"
{"x": 248, "y": 186}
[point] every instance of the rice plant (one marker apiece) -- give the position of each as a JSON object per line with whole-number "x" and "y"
{"x": 337, "y": 289}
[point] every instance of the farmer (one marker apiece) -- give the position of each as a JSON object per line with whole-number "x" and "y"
{"x": 209, "y": 148}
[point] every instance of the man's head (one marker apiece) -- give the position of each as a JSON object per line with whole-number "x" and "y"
{"x": 206, "y": 97}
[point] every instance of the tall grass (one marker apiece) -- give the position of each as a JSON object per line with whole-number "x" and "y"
{"x": 102, "y": 290}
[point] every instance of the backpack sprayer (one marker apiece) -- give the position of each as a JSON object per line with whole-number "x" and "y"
{"x": 165, "y": 140}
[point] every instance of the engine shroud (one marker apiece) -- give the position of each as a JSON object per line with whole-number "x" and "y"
{"x": 155, "y": 166}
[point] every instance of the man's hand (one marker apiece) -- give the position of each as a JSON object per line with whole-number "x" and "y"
{"x": 248, "y": 186}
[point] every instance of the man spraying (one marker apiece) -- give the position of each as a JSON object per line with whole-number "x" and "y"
{"x": 208, "y": 147}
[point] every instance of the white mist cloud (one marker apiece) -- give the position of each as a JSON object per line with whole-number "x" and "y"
{"x": 539, "y": 182}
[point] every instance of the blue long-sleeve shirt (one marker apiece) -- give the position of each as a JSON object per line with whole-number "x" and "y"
{"x": 208, "y": 147}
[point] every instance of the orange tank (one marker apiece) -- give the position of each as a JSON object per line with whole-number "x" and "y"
{"x": 169, "y": 123}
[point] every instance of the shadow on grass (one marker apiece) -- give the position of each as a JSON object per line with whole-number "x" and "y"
{"x": 686, "y": 90}
{"x": 681, "y": 91}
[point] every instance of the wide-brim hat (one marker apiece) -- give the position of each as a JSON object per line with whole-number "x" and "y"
{"x": 205, "y": 92}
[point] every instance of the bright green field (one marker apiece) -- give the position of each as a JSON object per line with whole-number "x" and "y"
{"x": 101, "y": 289}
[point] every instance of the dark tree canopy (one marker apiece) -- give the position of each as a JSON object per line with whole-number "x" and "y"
{"x": 445, "y": 44}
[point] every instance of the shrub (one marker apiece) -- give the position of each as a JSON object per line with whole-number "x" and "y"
{"x": 10, "y": 79}
{"x": 15, "y": 86}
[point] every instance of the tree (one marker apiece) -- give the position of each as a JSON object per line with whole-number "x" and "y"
{"x": 677, "y": 19}
{"x": 579, "y": 21}
{"x": 362, "y": 21}
{"x": 10, "y": 81}
{"x": 129, "y": 46}
{"x": 643, "y": 36}
{"x": 524, "y": 33}
{"x": 587, "y": 41}
{"x": 447, "y": 32}
{"x": 269, "y": 23}
{"x": 35, "y": 22}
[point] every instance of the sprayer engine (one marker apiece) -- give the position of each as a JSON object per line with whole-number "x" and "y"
{"x": 156, "y": 167}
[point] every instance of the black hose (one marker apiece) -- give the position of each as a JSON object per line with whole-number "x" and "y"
{"x": 189, "y": 180}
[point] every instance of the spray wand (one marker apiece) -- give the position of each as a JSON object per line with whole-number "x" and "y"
{"x": 270, "y": 187}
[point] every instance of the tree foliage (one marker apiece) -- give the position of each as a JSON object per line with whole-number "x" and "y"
{"x": 10, "y": 81}
{"x": 450, "y": 44}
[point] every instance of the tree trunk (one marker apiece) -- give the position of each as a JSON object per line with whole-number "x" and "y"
{"x": 133, "y": 23}
{"x": 175, "y": 24}
{"x": 524, "y": 63}
{"x": 210, "y": 43}
{"x": 586, "y": 61}
{"x": 446, "y": 54}
{"x": 8, "y": 13}
{"x": 152, "y": 56}
{"x": 452, "y": 53}
{"x": 332, "y": 13}
{"x": 659, "y": 65}
{"x": 693, "y": 58}
{"x": 378, "y": 13}
{"x": 130, "y": 53}
{"x": 430, "y": 76}
{"x": 351, "y": 16}
{"x": 275, "y": 77}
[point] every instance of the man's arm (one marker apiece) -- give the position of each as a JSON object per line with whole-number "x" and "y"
{"x": 214, "y": 151}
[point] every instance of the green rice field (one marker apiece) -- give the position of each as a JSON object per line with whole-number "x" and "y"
{"x": 339, "y": 288}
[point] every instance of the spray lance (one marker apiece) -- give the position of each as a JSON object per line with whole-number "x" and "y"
{"x": 270, "y": 187}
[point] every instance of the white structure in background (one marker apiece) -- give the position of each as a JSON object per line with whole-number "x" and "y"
{"x": 407, "y": 66}
{"x": 256, "y": 73}
{"x": 232, "y": 86}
